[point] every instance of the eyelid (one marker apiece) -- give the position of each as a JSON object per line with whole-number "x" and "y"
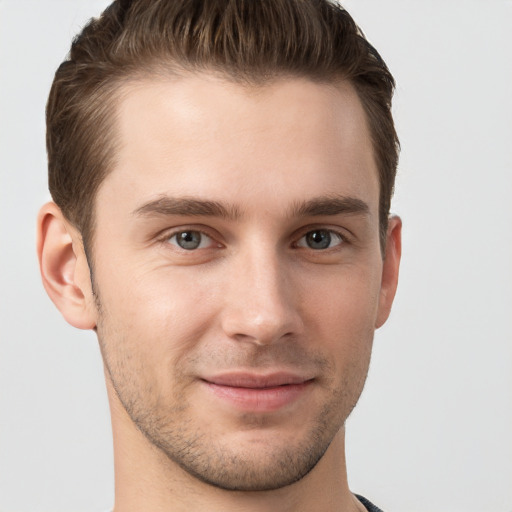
{"x": 203, "y": 240}
{"x": 336, "y": 237}
{"x": 344, "y": 234}
{"x": 164, "y": 236}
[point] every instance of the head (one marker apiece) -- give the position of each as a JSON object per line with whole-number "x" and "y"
{"x": 226, "y": 169}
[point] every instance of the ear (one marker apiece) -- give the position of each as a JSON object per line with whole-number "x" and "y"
{"x": 64, "y": 268}
{"x": 390, "y": 268}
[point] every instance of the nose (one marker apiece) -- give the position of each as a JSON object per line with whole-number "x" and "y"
{"x": 261, "y": 305}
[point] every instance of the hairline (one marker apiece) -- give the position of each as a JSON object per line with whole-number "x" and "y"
{"x": 164, "y": 69}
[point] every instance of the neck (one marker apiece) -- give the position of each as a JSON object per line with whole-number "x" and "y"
{"x": 145, "y": 479}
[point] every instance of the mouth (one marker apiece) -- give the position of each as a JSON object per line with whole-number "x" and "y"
{"x": 256, "y": 392}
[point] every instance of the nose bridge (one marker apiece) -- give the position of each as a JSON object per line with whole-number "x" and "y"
{"x": 260, "y": 305}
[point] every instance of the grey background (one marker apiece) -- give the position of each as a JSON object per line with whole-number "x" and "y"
{"x": 433, "y": 430}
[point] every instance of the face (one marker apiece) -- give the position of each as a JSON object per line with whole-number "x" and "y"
{"x": 238, "y": 272}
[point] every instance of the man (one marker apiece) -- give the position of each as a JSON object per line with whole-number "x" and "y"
{"x": 222, "y": 173}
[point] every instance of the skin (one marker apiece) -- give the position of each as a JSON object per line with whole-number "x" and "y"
{"x": 261, "y": 178}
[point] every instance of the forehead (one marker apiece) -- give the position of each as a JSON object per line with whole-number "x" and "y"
{"x": 205, "y": 136}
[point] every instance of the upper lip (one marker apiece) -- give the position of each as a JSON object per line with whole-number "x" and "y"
{"x": 256, "y": 380}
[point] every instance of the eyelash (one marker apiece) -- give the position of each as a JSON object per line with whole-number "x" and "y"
{"x": 165, "y": 238}
{"x": 342, "y": 239}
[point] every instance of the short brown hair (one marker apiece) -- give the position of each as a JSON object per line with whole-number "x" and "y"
{"x": 250, "y": 41}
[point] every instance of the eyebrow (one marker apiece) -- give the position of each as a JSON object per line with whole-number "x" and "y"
{"x": 329, "y": 205}
{"x": 189, "y": 206}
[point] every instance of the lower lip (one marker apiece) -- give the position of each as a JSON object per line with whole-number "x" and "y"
{"x": 259, "y": 399}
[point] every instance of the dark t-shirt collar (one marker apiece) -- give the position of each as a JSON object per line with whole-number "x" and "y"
{"x": 369, "y": 506}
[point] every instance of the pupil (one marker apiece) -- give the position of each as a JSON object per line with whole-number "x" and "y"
{"x": 189, "y": 240}
{"x": 319, "y": 239}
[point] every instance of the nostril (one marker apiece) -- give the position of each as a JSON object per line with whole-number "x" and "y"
{"x": 261, "y": 331}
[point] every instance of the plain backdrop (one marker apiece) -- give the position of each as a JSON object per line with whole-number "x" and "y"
{"x": 433, "y": 429}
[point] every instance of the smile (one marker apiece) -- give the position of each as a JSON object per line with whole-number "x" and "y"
{"x": 258, "y": 393}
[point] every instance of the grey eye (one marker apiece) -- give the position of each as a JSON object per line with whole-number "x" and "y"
{"x": 190, "y": 240}
{"x": 320, "y": 239}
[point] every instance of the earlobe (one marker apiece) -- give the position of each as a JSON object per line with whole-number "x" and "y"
{"x": 390, "y": 270}
{"x": 64, "y": 268}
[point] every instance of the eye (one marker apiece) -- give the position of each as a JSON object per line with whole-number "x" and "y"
{"x": 319, "y": 239}
{"x": 190, "y": 240}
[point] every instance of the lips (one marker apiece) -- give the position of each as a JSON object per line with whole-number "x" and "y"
{"x": 256, "y": 381}
{"x": 258, "y": 392}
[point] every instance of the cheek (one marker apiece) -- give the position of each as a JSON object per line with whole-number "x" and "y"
{"x": 148, "y": 326}
{"x": 159, "y": 313}
{"x": 350, "y": 293}
{"x": 342, "y": 312}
